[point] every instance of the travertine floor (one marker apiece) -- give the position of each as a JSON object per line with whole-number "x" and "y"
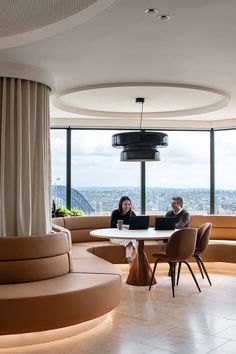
{"x": 155, "y": 323}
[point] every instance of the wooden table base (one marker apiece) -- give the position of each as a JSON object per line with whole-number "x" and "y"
{"x": 140, "y": 271}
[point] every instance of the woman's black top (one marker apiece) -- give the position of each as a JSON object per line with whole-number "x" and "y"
{"x": 116, "y": 215}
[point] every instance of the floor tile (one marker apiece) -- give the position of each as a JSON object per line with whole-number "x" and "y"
{"x": 228, "y": 348}
{"x": 229, "y": 333}
{"x": 156, "y": 323}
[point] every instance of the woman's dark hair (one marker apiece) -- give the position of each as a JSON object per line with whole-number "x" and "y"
{"x": 122, "y": 199}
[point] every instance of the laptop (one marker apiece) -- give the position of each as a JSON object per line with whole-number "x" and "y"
{"x": 139, "y": 222}
{"x": 167, "y": 223}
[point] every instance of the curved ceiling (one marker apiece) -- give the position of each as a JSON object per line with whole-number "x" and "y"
{"x": 161, "y": 100}
{"x": 36, "y": 14}
{"x": 23, "y": 22}
{"x": 184, "y": 68}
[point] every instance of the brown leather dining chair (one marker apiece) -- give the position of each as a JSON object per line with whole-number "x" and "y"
{"x": 203, "y": 236}
{"x": 180, "y": 247}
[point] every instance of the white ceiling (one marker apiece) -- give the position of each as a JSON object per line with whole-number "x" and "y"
{"x": 99, "y": 55}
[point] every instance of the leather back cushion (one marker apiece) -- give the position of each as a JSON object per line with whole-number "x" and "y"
{"x": 223, "y": 226}
{"x": 80, "y": 226}
{"x": 30, "y": 247}
{"x": 32, "y": 258}
{"x": 58, "y": 221}
{"x": 21, "y": 271}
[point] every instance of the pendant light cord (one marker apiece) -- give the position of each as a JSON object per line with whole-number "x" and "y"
{"x": 141, "y": 119}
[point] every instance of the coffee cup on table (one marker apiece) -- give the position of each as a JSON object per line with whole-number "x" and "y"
{"x": 119, "y": 224}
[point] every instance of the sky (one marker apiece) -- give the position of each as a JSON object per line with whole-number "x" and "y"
{"x": 184, "y": 163}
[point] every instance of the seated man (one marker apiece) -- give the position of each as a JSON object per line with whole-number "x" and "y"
{"x": 177, "y": 211}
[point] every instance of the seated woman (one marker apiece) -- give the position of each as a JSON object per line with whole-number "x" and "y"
{"x": 123, "y": 212}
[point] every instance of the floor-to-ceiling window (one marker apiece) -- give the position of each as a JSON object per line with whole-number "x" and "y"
{"x": 58, "y": 158}
{"x": 184, "y": 170}
{"x": 98, "y": 177}
{"x": 225, "y": 172}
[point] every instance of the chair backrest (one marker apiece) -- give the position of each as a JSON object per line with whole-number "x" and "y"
{"x": 203, "y": 235}
{"x": 181, "y": 244}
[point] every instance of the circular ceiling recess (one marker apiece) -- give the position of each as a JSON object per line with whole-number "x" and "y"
{"x": 161, "y": 100}
{"x": 25, "y": 21}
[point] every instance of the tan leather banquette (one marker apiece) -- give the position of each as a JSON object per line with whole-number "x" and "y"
{"x": 40, "y": 290}
{"x": 24, "y": 259}
{"x": 222, "y": 246}
{"x": 80, "y": 228}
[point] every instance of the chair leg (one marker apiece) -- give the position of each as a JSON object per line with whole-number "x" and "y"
{"x": 204, "y": 268}
{"x": 179, "y": 269}
{"x": 199, "y": 265}
{"x": 153, "y": 272}
{"x": 172, "y": 272}
{"x": 175, "y": 264}
{"x": 190, "y": 269}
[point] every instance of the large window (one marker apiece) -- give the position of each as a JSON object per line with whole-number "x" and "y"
{"x": 184, "y": 170}
{"x": 58, "y": 158}
{"x": 225, "y": 172}
{"x": 99, "y": 179}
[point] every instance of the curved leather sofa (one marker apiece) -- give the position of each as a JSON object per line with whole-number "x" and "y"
{"x": 48, "y": 283}
{"x": 222, "y": 245}
{"x": 42, "y": 289}
{"x": 25, "y": 259}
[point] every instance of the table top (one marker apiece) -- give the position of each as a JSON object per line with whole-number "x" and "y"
{"x": 149, "y": 234}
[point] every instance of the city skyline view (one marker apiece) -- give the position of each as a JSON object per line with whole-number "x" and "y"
{"x": 104, "y": 200}
{"x": 186, "y": 160}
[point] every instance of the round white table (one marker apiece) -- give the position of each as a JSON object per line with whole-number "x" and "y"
{"x": 140, "y": 272}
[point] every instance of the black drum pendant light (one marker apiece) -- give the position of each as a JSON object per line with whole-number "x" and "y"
{"x": 141, "y": 145}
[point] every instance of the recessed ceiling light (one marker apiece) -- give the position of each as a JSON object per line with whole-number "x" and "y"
{"x": 151, "y": 11}
{"x": 163, "y": 17}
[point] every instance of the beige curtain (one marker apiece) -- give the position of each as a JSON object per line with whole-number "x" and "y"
{"x": 25, "y": 158}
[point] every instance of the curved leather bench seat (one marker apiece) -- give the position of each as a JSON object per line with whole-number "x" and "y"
{"x": 115, "y": 253}
{"x": 89, "y": 286}
{"x": 54, "y": 303}
{"x": 220, "y": 251}
{"x": 80, "y": 228}
{"x": 42, "y": 289}
{"x": 223, "y": 226}
{"x": 222, "y": 245}
{"x": 33, "y": 258}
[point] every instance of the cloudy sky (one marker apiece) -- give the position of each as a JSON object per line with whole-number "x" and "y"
{"x": 184, "y": 163}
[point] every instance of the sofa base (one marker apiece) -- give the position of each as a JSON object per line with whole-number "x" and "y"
{"x": 60, "y": 302}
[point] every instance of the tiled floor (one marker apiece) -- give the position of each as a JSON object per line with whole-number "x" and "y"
{"x": 155, "y": 323}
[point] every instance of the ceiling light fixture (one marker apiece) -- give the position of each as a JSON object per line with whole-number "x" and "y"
{"x": 141, "y": 145}
{"x": 151, "y": 11}
{"x": 164, "y": 17}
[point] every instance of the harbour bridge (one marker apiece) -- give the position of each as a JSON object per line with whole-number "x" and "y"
{"x": 77, "y": 199}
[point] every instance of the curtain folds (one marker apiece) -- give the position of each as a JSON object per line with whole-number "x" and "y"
{"x": 25, "y": 172}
